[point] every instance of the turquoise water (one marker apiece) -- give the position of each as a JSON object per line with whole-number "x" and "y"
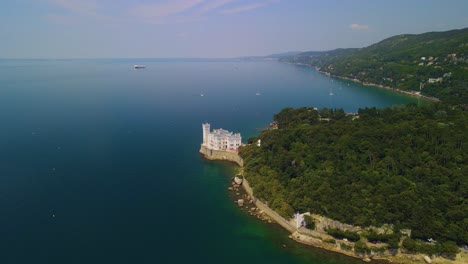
{"x": 99, "y": 162}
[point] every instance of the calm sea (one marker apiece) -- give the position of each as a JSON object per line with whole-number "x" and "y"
{"x": 99, "y": 162}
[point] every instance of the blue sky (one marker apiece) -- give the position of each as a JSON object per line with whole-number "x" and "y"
{"x": 211, "y": 28}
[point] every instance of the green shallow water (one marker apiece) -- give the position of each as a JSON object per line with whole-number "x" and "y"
{"x": 99, "y": 162}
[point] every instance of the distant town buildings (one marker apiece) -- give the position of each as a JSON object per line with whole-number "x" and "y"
{"x": 221, "y": 139}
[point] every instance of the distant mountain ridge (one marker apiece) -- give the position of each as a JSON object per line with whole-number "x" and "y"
{"x": 272, "y": 56}
{"x": 283, "y": 54}
{"x": 433, "y": 63}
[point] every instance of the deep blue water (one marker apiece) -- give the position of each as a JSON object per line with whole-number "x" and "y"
{"x": 99, "y": 162}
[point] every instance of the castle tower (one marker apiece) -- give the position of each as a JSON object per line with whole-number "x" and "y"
{"x": 206, "y": 131}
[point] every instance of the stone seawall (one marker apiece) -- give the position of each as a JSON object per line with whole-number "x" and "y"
{"x": 275, "y": 216}
{"x": 221, "y": 155}
{"x": 321, "y": 222}
{"x": 311, "y": 237}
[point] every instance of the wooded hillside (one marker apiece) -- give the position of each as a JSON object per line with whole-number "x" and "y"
{"x": 404, "y": 165}
{"x": 433, "y": 63}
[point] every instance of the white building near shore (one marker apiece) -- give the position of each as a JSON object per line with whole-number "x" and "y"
{"x": 300, "y": 221}
{"x": 221, "y": 139}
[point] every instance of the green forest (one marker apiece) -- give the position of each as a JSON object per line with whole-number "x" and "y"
{"x": 407, "y": 62}
{"x": 403, "y": 165}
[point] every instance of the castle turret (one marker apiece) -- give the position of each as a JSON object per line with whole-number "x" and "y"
{"x": 206, "y": 132}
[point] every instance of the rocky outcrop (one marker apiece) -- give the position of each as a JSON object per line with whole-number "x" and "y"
{"x": 322, "y": 222}
{"x": 238, "y": 180}
{"x": 221, "y": 155}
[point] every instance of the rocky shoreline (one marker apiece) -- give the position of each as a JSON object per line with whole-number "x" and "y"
{"x": 241, "y": 197}
{"x": 245, "y": 202}
{"x": 250, "y": 204}
{"x": 242, "y": 194}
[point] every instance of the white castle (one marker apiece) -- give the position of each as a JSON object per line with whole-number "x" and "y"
{"x": 220, "y": 139}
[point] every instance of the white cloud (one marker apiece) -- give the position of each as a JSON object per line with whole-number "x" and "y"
{"x": 81, "y": 7}
{"x": 244, "y": 8}
{"x": 164, "y": 12}
{"x": 214, "y": 5}
{"x": 61, "y": 19}
{"x": 359, "y": 27}
{"x": 187, "y": 11}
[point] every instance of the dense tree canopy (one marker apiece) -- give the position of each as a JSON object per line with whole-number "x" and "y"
{"x": 404, "y": 165}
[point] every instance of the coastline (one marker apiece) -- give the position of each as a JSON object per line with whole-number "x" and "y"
{"x": 396, "y": 90}
{"x": 296, "y": 234}
{"x": 319, "y": 239}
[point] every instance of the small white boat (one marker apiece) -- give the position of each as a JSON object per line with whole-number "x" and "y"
{"x": 258, "y": 93}
{"x": 139, "y": 66}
